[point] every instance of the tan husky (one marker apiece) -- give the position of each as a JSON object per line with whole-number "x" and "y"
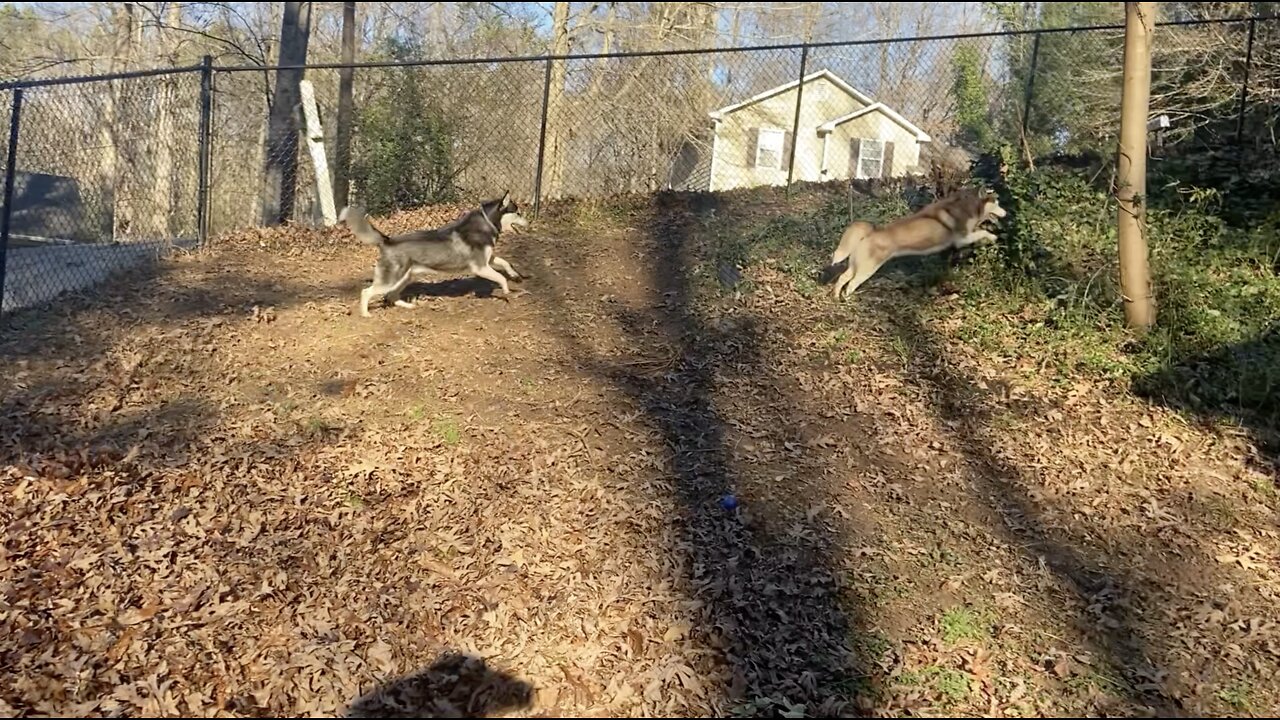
{"x": 952, "y": 222}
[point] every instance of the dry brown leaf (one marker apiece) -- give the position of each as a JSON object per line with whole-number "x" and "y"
{"x": 276, "y": 512}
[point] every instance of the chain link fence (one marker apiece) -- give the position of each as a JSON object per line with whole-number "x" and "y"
{"x": 104, "y": 175}
{"x": 101, "y": 176}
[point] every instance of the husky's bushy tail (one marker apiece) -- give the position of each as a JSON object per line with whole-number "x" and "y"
{"x": 356, "y": 219}
{"x": 849, "y": 240}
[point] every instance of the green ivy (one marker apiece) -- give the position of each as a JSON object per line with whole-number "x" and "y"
{"x": 972, "y": 106}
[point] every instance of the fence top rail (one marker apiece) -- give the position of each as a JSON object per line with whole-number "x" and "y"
{"x": 77, "y": 79}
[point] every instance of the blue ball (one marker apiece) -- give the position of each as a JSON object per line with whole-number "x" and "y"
{"x": 728, "y": 502}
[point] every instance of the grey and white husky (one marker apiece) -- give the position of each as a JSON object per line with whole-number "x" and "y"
{"x": 466, "y": 244}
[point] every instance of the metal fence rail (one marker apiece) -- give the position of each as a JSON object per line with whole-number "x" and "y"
{"x": 109, "y": 173}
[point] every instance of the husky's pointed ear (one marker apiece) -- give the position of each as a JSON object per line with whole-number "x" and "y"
{"x": 506, "y": 197}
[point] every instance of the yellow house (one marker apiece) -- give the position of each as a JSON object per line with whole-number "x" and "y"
{"x": 842, "y": 134}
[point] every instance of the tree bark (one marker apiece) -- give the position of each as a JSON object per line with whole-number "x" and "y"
{"x": 280, "y": 167}
{"x": 556, "y": 131}
{"x": 1131, "y": 165}
{"x": 124, "y": 29}
{"x": 346, "y": 109}
{"x": 163, "y": 217}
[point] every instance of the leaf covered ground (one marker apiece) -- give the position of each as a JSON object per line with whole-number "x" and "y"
{"x": 222, "y": 492}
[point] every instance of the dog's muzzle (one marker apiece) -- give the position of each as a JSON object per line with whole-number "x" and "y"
{"x": 513, "y": 221}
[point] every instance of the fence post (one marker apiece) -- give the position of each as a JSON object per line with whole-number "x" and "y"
{"x": 205, "y": 143}
{"x": 10, "y": 170}
{"x": 542, "y": 140}
{"x": 795, "y": 125}
{"x": 1031, "y": 85}
{"x": 1244, "y": 85}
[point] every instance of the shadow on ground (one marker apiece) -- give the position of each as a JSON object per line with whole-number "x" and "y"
{"x": 1239, "y": 382}
{"x": 455, "y": 686}
{"x": 1112, "y": 623}
{"x": 778, "y": 611}
{"x": 207, "y": 289}
{"x": 84, "y": 367}
{"x": 119, "y": 436}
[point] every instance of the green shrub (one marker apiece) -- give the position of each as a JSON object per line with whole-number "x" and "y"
{"x": 403, "y": 149}
{"x": 1214, "y": 275}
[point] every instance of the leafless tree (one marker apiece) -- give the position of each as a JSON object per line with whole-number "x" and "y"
{"x": 281, "y": 162}
{"x": 346, "y": 108}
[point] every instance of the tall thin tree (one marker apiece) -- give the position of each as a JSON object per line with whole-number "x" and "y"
{"x": 165, "y": 184}
{"x": 125, "y": 29}
{"x": 557, "y": 130}
{"x": 280, "y": 167}
{"x": 1131, "y": 165}
{"x": 346, "y": 108}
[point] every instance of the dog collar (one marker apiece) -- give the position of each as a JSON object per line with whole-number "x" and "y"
{"x": 485, "y": 215}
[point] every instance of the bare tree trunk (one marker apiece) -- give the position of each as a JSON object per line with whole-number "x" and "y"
{"x": 163, "y": 217}
{"x": 346, "y": 108}
{"x": 124, "y": 28}
{"x": 610, "y": 19}
{"x": 888, "y": 19}
{"x": 602, "y": 66}
{"x": 812, "y": 16}
{"x": 556, "y": 131}
{"x": 280, "y": 167}
{"x": 161, "y": 220}
{"x": 735, "y": 36}
{"x": 710, "y": 30}
{"x": 1131, "y": 165}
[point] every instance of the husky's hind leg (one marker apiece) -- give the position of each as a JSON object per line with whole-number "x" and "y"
{"x": 862, "y": 265}
{"x": 845, "y": 259}
{"x": 388, "y": 281}
{"x": 394, "y": 296}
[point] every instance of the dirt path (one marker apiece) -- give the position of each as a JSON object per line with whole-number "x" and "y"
{"x": 226, "y": 493}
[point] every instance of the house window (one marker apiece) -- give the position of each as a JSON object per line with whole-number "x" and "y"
{"x": 769, "y": 148}
{"x": 870, "y": 159}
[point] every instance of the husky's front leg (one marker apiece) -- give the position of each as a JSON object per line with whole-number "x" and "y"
{"x": 482, "y": 267}
{"x": 962, "y": 250}
{"x": 506, "y": 268}
{"x": 974, "y": 238}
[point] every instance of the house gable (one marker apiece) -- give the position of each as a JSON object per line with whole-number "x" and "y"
{"x": 905, "y": 124}
{"x": 746, "y": 152}
{"x": 774, "y": 92}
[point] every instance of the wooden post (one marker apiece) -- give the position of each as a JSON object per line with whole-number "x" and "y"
{"x": 1244, "y": 84}
{"x": 1131, "y": 165}
{"x": 315, "y": 141}
{"x": 795, "y": 125}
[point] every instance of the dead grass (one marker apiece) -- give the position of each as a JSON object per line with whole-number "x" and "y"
{"x": 224, "y": 493}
